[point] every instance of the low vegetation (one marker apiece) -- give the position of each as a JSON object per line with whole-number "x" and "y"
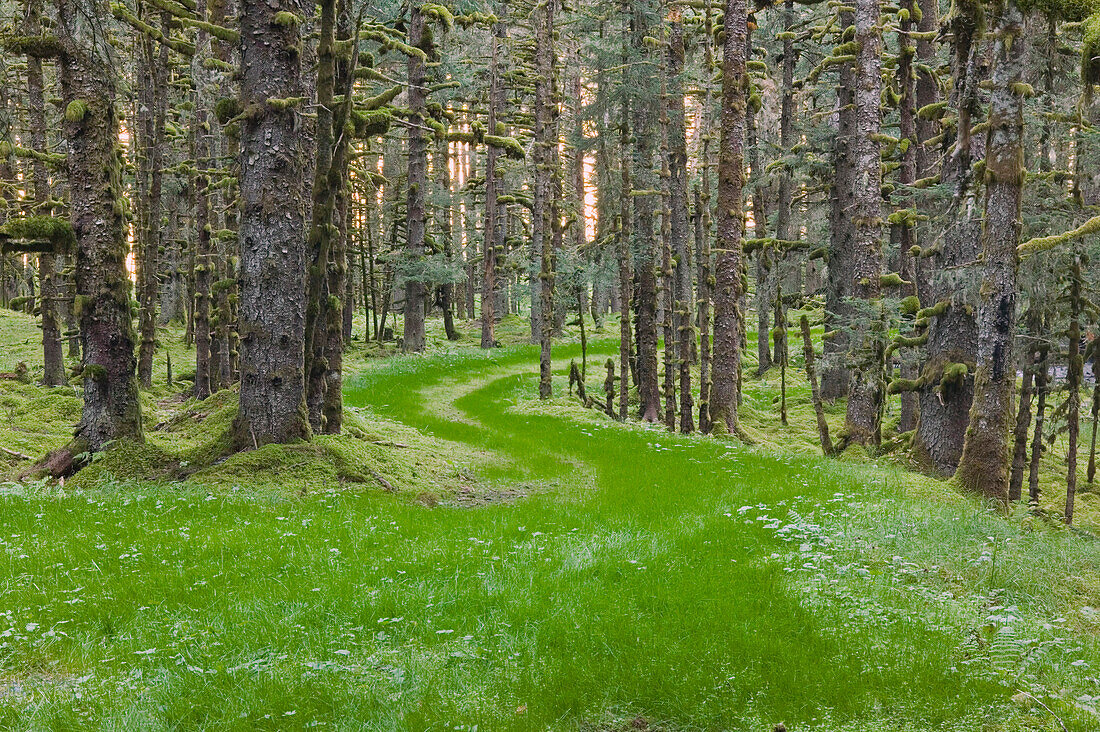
{"x": 533, "y": 564}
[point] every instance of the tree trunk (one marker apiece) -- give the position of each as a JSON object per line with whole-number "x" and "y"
{"x": 863, "y": 421}
{"x": 626, "y": 275}
{"x": 489, "y": 257}
{"x": 272, "y": 229}
{"x": 841, "y": 257}
{"x": 547, "y": 199}
{"x": 645, "y": 110}
{"x": 944, "y": 404}
{"x": 1041, "y": 381}
{"x": 203, "y": 270}
{"x": 678, "y": 200}
{"x": 727, "y": 316}
{"x": 1074, "y": 377}
{"x": 112, "y": 409}
{"x": 49, "y": 278}
{"x": 415, "y": 210}
{"x": 984, "y": 465}
{"x": 1020, "y": 433}
{"x": 155, "y": 83}
{"x": 705, "y": 282}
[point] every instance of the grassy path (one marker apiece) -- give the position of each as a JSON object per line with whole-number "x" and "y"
{"x": 655, "y": 592}
{"x": 647, "y": 581}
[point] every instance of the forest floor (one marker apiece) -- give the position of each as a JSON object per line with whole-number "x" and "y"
{"x": 536, "y": 566}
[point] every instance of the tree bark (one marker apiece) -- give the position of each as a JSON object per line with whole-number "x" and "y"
{"x": 489, "y": 256}
{"x": 112, "y": 409}
{"x": 156, "y": 89}
{"x": 272, "y": 228}
{"x": 678, "y": 200}
{"x": 728, "y": 276}
{"x": 841, "y": 254}
{"x": 53, "y": 359}
{"x": 645, "y": 109}
{"x": 944, "y": 405}
{"x": 415, "y": 207}
{"x": 547, "y": 201}
{"x": 984, "y": 465}
{"x": 863, "y": 421}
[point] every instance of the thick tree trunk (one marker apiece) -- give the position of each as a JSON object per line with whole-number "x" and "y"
{"x": 112, "y": 409}
{"x": 863, "y": 421}
{"x": 728, "y": 291}
{"x": 984, "y": 465}
{"x": 944, "y": 404}
{"x": 272, "y": 229}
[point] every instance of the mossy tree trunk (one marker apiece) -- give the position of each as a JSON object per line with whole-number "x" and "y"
{"x": 984, "y": 465}
{"x": 863, "y": 421}
{"x": 1074, "y": 377}
{"x": 206, "y": 380}
{"x": 784, "y": 221}
{"x": 841, "y": 254}
{"x": 680, "y": 225}
{"x": 645, "y": 111}
{"x": 272, "y": 228}
{"x": 668, "y": 298}
{"x": 1023, "y": 425}
{"x": 1042, "y": 381}
{"x": 705, "y": 275}
{"x": 441, "y": 162}
{"x": 944, "y": 405}
{"x": 767, "y": 255}
{"x": 112, "y": 409}
{"x": 492, "y": 193}
{"x": 728, "y": 323}
{"x": 49, "y": 278}
{"x": 626, "y": 274}
{"x": 154, "y": 64}
{"x": 327, "y": 273}
{"x": 415, "y": 207}
{"x": 904, "y": 232}
{"x": 547, "y": 201}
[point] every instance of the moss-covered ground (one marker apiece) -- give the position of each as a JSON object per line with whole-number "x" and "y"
{"x": 538, "y": 566}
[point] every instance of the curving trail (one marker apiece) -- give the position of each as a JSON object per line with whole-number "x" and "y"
{"x": 633, "y": 585}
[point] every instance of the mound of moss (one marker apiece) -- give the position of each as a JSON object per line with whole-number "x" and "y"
{"x": 190, "y": 449}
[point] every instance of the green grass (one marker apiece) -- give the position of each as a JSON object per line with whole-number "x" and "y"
{"x": 612, "y": 574}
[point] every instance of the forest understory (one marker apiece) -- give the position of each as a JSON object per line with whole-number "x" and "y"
{"x": 467, "y": 556}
